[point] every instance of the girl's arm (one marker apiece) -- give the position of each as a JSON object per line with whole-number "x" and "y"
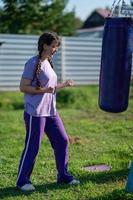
{"x": 25, "y": 87}
{"x": 68, "y": 83}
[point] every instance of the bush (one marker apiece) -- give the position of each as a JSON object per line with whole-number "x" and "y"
{"x": 81, "y": 97}
{"x": 11, "y": 101}
{"x": 66, "y": 98}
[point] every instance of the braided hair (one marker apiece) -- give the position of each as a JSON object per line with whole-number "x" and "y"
{"x": 45, "y": 38}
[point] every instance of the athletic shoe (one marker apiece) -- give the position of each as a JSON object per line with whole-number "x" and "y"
{"x": 27, "y": 187}
{"x": 74, "y": 182}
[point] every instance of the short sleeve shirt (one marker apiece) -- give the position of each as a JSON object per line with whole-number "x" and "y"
{"x": 40, "y": 104}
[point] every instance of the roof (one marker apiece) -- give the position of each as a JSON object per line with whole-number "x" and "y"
{"x": 103, "y": 12}
{"x": 96, "y": 32}
{"x": 99, "y": 28}
{"x": 96, "y": 18}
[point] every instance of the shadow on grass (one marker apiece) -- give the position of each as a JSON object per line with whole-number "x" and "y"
{"x": 115, "y": 195}
{"x": 104, "y": 177}
{"x": 44, "y": 188}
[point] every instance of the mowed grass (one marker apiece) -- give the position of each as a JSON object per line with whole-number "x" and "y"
{"x": 97, "y": 137}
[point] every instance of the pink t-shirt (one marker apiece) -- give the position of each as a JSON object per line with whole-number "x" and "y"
{"x": 40, "y": 104}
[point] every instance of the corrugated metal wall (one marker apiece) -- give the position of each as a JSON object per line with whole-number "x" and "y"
{"x": 15, "y": 50}
{"x": 82, "y": 59}
{"x": 77, "y": 59}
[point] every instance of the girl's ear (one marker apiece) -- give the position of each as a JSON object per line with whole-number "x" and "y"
{"x": 45, "y": 46}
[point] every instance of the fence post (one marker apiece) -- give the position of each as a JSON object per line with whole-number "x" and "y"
{"x": 62, "y": 59}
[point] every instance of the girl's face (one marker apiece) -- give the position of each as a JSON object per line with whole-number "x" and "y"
{"x": 51, "y": 49}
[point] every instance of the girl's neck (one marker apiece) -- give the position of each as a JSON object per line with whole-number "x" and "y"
{"x": 44, "y": 56}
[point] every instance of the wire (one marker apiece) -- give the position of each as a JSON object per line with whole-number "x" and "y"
{"x": 113, "y": 6}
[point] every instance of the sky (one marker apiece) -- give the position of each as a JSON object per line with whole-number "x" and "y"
{"x": 83, "y": 8}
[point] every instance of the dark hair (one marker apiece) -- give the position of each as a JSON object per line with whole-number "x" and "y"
{"x": 45, "y": 38}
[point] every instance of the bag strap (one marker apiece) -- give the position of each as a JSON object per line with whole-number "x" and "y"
{"x": 115, "y": 3}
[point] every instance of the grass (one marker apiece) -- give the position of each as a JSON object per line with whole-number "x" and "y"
{"x": 96, "y": 137}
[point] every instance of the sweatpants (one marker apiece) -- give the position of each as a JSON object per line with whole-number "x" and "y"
{"x": 54, "y": 129}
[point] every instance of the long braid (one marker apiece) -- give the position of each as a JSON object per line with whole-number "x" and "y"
{"x": 37, "y": 71}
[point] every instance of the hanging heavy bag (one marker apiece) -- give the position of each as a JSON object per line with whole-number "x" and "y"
{"x": 116, "y": 63}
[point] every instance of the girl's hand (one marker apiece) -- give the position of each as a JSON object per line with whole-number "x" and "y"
{"x": 49, "y": 90}
{"x": 69, "y": 83}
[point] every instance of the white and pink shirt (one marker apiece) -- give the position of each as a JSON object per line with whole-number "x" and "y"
{"x": 40, "y": 104}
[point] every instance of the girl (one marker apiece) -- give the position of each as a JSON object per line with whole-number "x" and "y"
{"x": 39, "y": 84}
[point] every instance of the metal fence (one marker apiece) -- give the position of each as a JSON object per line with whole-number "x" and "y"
{"x": 77, "y": 59}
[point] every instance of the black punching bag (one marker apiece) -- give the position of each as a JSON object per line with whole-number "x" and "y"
{"x": 116, "y": 64}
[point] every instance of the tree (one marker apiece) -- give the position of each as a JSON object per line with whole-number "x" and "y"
{"x": 36, "y": 16}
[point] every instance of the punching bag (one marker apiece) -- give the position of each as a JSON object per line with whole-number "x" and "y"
{"x": 116, "y": 64}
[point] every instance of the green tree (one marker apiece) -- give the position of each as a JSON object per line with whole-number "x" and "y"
{"x": 8, "y": 14}
{"x": 36, "y": 16}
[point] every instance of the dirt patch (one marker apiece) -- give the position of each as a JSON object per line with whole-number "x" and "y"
{"x": 77, "y": 140}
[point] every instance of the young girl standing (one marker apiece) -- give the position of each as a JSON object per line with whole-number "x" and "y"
{"x": 39, "y": 84}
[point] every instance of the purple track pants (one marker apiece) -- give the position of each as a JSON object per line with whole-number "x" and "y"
{"x": 54, "y": 129}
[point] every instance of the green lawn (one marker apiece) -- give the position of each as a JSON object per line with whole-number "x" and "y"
{"x": 97, "y": 137}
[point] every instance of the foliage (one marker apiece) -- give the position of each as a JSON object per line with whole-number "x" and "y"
{"x": 77, "y": 97}
{"x": 37, "y": 16}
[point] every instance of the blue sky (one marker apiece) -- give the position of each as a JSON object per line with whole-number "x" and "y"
{"x": 83, "y": 8}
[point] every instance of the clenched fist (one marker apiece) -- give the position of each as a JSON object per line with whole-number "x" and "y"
{"x": 69, "y": 83}
{"x": 49, "y": 90}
